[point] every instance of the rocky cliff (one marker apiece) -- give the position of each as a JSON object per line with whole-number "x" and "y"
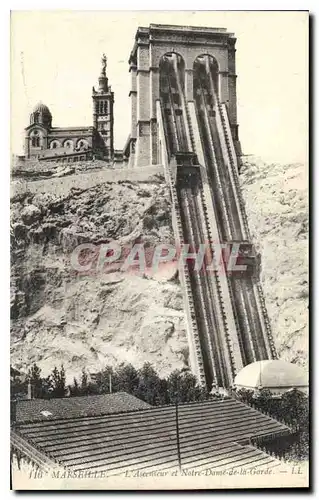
{"x": 90, "y": 320}
{"x": 276, "y": 199}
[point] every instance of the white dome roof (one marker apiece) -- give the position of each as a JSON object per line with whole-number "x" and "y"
{"x": 271, "y": 374}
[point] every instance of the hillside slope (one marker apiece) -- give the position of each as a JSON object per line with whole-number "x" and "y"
{"x": 92, "y": 320}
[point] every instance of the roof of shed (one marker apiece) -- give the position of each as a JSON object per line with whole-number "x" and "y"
{"x": 79, "y": 406}
{"x": 213, "y": 434}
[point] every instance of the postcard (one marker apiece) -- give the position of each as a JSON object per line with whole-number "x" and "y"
{"x": 159, "y": 250}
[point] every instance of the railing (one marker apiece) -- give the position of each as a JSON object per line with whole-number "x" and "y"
{"x": 215, "y": 293}
{"x": 260, "y": 301}
{"x": 232, "y": 161}
{"x": 192, "y": 328}
{"x": 199, "y": 287}
{"x": 221, "y": 305}
{"x": 230, "y": 221}
{"x": 262, "y": 306}
{"x": 217, "y": 306}
{"x": 188, "y": 131}
{"x": 227, "y": 215}
{"x": 188, "y": 291}
{"x": 223, "y": 301}
{"x": 227, "y": 219}
{"x": 221, "y": 314}
{"x": 223, "y": 285}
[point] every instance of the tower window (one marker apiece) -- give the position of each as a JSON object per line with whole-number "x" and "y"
{"x": 103, "y": 107}
{"x": 35, "y": 141}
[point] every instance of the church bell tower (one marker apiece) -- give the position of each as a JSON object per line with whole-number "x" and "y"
{"x": 103, "y": 118}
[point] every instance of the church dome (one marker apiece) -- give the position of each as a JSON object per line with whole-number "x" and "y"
{"x": 276, "y": 375}
{"x": 41, "y": 115}
{"x": 42, "y": 108}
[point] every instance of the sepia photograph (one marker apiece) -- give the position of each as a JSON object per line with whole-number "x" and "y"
{"x": 159, "y": 250}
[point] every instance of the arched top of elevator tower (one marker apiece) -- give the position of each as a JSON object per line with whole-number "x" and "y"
{"x": 189, "y": 41}
{"x": 153, "y": 47}
{"x": 172, "y": 58}
{"x": 206, "y": 71}
{"x": 210, "y": 58}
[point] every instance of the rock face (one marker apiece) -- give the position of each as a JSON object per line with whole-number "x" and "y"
{"x": 102, "y": 318}
{"x": 277, "y": 207}
{"x": 98, "y": 318}
{"x": 36, "y": 169}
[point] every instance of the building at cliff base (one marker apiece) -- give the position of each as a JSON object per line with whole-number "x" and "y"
{"x": 275, "y": 375}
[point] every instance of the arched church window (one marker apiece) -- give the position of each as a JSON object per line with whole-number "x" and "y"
{"x": 68, "y": 144}
{"x": 35, "y": 139}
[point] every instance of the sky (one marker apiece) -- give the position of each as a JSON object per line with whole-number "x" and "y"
{"x": 55, "y": 58}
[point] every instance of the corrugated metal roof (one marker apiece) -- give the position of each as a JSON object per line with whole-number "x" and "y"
{"x": 213, "y": 434}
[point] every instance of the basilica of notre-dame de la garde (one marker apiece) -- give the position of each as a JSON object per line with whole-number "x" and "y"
{"x": 68, "y": 144}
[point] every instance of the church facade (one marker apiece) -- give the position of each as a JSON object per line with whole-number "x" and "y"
{"x": 68, "y": 144}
